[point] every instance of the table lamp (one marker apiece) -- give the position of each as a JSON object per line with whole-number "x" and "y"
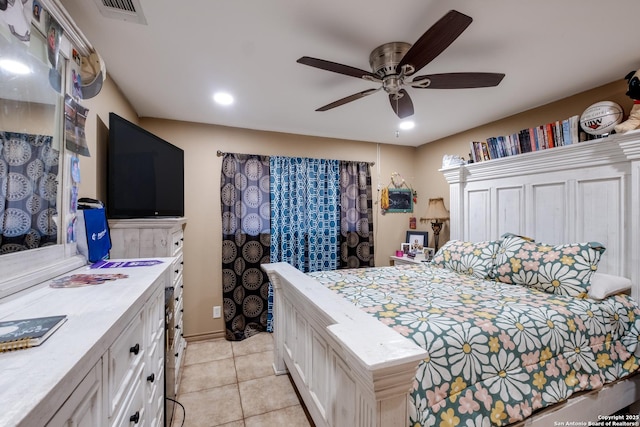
{"x": 437, "y": 213}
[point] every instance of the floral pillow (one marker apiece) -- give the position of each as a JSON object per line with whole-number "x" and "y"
{"x": 562, "y": 269}
{"x": 473, "y": 258}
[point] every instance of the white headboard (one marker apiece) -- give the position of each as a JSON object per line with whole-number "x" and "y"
{"x": 577, "y": 193}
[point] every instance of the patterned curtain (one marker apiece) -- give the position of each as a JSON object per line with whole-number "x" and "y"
{"x": 28, "y": 191}
{"x": 304, "y": 215}
{"x": 356, "y": 215}
{"x": 304, "y": 212}
{"x": 244, "y": 194}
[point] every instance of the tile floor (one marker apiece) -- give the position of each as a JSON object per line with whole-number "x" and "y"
{"x": 232, "y": 384}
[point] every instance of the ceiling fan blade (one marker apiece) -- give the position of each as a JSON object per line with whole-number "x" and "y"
{"x": 435, "y": 40}
{"x": 348, "y": 99}
{"x": 337, "y": 68}
{"x": 401, "y": 104}
{"x": 457, "y": 80}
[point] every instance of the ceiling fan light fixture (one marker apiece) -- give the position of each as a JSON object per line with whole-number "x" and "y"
{"x": 223, "y": 98}
{"x": 394, "y": 64}
{"x": 407, "y": 125}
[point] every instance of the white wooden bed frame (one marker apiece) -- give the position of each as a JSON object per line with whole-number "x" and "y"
{"x": 352, "y": 371}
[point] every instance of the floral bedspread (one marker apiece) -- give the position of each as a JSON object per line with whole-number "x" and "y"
{"x": 497, "y": 352}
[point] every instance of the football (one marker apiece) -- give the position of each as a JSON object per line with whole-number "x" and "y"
{"x": 600, "y": 118}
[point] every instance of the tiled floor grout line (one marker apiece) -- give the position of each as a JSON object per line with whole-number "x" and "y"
{"x": 235, "y": 368}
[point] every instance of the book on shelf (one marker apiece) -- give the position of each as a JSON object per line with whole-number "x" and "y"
{"x": 542, "y": 137}
{"x": 25, "y": 333}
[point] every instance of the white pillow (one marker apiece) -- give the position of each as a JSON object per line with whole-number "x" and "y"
{"x": 604, "y": 285}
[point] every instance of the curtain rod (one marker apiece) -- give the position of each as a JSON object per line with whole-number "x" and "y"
{"x": 222, "y": 153}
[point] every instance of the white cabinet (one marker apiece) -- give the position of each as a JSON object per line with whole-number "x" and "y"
{"x": 157, "y": 237}
{"x": 104, "y": 366}
{"x": 135, "y": 368}
{"x": 84, "y": 407}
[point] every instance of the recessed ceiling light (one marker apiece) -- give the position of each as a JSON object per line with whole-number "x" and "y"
{"x": 14, "y": 67}
{"x": 406, "y": 125}
{"x": 223, "y": 98}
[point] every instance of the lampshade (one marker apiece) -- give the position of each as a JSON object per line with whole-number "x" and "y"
{"x": 436, "y": 210}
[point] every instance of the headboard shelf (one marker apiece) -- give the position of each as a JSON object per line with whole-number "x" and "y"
{"x": 583, "y": 192}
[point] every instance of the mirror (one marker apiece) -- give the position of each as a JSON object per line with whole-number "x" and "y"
{"x": 30, "y": 142}
{"x": 35, "y": 194}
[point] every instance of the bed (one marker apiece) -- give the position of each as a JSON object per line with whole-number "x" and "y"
{"x": 351, "y": 369}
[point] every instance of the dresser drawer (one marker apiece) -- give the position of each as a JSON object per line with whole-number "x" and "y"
{"x": 155, "y": 317}
{"x": 132, "y": 411}
{"x": 176, "y": 271}
{"x": 125, "y": 360}
{"x": 177, "y": 240}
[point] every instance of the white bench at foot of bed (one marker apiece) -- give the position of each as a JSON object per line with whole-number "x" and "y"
{"x": 350, "y": 369}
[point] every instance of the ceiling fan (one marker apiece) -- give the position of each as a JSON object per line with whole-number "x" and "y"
{"x": 393, "y": 64}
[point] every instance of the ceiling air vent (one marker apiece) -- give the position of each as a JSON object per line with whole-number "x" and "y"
{"x": 124, "y": 10}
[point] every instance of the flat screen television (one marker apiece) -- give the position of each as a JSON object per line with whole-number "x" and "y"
{"x": 145, "y": 173}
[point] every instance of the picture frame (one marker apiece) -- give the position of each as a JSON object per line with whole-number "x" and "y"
{"x": 429, "y": 253}
{"x": 417, "y": 239}
{"x": 405, "y": 248}
{"x": 400, "y": 200}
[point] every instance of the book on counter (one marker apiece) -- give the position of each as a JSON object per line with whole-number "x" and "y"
{"x": 25, "y": 333}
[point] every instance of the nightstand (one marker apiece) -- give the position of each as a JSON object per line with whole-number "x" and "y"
{"x": 400, "y": 260}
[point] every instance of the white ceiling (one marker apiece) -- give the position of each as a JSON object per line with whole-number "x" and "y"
{"x": 171, "y": 67}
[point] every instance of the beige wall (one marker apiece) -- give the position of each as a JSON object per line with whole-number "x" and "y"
{"x": 93, "y": 169}
{"x": 429, "y": 156}
{"x": 419, "y": 167}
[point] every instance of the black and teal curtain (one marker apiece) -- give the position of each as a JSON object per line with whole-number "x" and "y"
{"x": 244, "y": 194}
{"x": 315, "y": 214}
{"x": 356, "y": 215}
{"x": 28, "y": 191}
{"x": 305, "y": 215}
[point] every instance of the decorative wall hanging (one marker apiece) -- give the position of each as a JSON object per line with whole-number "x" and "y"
{"x": 398, "y": 196}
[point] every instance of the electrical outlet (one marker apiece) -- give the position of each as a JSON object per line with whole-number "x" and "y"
{"x": 216, "y": 312}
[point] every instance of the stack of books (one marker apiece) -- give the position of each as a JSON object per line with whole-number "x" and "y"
{"x": 550, "y": 135}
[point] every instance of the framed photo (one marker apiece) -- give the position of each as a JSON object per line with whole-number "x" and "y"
{"x": 429, "y": 253}
{"x": 405, "y": 247}
{"x": 417, "y": 239}
{"x": 400, "y": 200}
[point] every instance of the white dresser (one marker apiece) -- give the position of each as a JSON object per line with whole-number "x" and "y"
{"x": 103, "y": 367}
{"x": 150, "y": 238}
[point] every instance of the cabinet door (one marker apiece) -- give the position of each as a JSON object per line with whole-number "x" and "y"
{"x": 125, "y": 357}
{"x": 154, "y": 367}
{"x": 84, "y": 407}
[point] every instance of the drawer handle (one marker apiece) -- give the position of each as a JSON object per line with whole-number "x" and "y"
{"x": 151, "y": 378}
{"x": 177, "y": 354}
{"x": 177, "y": 271}
{"x": 177, "y": 298}
{"x": 177, "y": 326}
{"x": 135, "y": 350}
{"x": 177, "y": 243}
{"x": 135, "y": 417}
